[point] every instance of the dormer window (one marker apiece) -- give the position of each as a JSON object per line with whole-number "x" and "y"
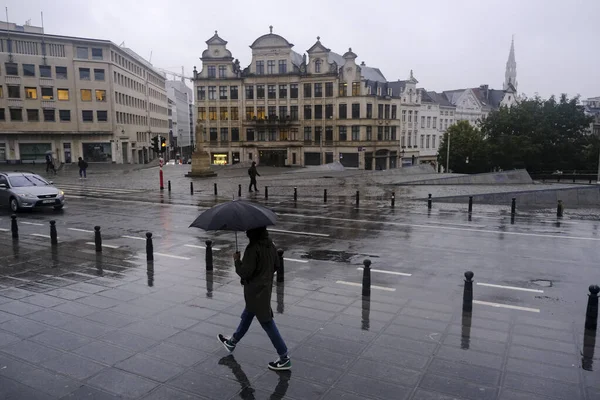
{"x": 368, "y": 89}
{"x": 379, "y": 91}
{"x": 389, "y": 91}
{"x": 318, "y": 66}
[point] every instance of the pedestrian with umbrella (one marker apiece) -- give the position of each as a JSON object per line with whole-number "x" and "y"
{"x": 256, "y": 269}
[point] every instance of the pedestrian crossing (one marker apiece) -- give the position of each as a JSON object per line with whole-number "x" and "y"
{"x": 95, "y": 191}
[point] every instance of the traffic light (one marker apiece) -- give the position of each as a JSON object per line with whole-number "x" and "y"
{"x": 163, "y": 144}
{"x": 155, "y": 144}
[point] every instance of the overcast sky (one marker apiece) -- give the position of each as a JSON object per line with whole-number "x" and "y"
{"x": 448, "y": 44}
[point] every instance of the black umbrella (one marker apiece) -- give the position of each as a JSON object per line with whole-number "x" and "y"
{"x": 236, "y": 215}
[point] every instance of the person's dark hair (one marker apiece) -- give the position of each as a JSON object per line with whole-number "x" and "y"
{"x": 256, "y": 233}
{"x": 80, "y": 158}
{"x": 253, "y": 162}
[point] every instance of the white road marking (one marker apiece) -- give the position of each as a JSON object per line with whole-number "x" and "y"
{"x": 510, "y": 287}
{"x": 171, "y": 256}
{"x": 40, "y": 235}
{"x": 386, "y": 272}
{"x": 296, "y": 260}
{"x": 387, "y": 289}
{"x": 80, "y": 230}
{"x": 499, "y": 305}
{"x": 4, "y": 230}
{"x": 299, "y": 233}
{"x": 31, "y": 223}
{"x": 110, "y": 246}
{"x": 195, "y": 246}
{"x": 133, "y": 237}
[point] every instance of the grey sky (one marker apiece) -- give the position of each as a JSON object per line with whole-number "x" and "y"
{"x": 448, "y": 44}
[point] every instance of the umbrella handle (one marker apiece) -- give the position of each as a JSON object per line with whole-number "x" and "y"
{"x": 236, "y": 242}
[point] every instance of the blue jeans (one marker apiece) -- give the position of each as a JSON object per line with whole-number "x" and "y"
{"x": 82, "y": 173}
{"x": 269, "y": 327}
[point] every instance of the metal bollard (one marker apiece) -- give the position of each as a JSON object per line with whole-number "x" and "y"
{"x": 324, "y": 195}
{"x": 97, "y": 239}
{"x": 393, "y": 199}
{"x": 14, "y": 227}
{"x": 215, "y": 186}
{"x": 295, "y": 194}
{"x": 149, "y": 247}
{"x": 208, "y": 258}
{"x": 366, "y": 283}
{"x": 429, "y": 201}
{"x": 357, "y": 198}
{"x": 281, "y": 269}
{"x": 591, "y": 315}
{"x": 513, "y": 206}
{"x": 559, "y": 209}
{"x": 191, "y": 187}
{"x": 470, "y": 204}
{"x": 150, "y": 273}
{"x": 239, "y": 190}
{"x": 169, "y": 186}
{"x": 266, "y": 193}
{"x": 468, "y": 292}
{"x": 53, "y": 234}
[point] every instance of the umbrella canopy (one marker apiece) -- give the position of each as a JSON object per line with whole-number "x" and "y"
{"x": 49, "y": 152}
{"x": 236, "y": 215}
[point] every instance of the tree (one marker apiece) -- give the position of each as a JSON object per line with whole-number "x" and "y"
{"x": 468, "y": 152}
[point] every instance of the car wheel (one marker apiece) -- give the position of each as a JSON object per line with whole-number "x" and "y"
{"x": 14, "y": 205}
{"x": 58, "y": 208}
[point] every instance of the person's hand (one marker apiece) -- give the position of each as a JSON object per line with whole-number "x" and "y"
{"x": 236, "y": 256}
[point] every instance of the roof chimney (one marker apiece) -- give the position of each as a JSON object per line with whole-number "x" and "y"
{"x": 362, "y": 64}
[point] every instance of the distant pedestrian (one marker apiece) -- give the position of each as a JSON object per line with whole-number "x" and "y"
{"x": 256, "y": 271}
{"x": 50, "y": 163}
{"x": 253, "y": 172}
{"x": 82, "y": 164}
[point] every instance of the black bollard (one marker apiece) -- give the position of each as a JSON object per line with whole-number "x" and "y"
{"x": 393, "y": 199}
{"x": 53, "y": 234}
{"x": 14, "y": 227}
{"x": 239, "y": 190}
{"x": 97, "y": 239}
{"x": 366, "y": 283}
{"x": 150, "y": 273}
{"x": 169, "y": 186}
{"x": 149, "y": 247}
{"x": 324, "y": 195}
{"x": 559, "y": 209}
{"x": 470, "y": 204}
{"x": 295, "y": 194}
{"x": 513, "y": 206}
{"x": 266, "y": 193}
{"x": 215, "y": 186}
{"x": 281, "y": 269}
{"x": 191, "y": 187}
{"x": 429, "y": 201}
{"x": 468, "y": 292}
{"x": 591, "y": 315}
{"x": 208, "y": 258}
{"x": 357, "y": 198}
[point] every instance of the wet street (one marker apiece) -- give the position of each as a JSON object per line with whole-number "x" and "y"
{"x": 75, "y": 323}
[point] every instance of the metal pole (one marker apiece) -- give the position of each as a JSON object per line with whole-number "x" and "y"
{"x": 266, "y": 193}
{"x": 191, "y": 187}
{"x": 295, "y": 194}
{"x": 53, "y": 233}
{"x": 470, "y": 204}
{"x": 393, "y": 199}
{"x": 468, "y": 292}
{"x": 160, "y": 174}
{"x": 357, "y": 198}
{"x": 239, "y": 190}
{"x": 14, "y": 227}
{"x": 149, "y": 247}
{"x": 209, "y": 255}
{"x": 215, "y": 186}
{"x": 324, "y": 195}
{"x": 97, "y": 239}
{"x": 366, "y": 283}
{"x": 280, "y": 270}
{"x": 591, "y": 315}
{"x": 448, "y": 155}
{"x": 169, "y": 185}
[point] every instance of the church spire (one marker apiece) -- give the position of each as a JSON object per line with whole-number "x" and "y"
{"x": 510, "y": 76}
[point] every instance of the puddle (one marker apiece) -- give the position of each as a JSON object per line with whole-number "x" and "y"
{"x": 335, "y": 256}
{"x": 542, "y": 282}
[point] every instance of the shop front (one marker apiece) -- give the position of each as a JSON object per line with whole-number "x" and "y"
{"x": 273, "y": 158}
{"x": 349, "y": 160}
{"x": 97, "y": 152}
{"x": 219, "y": 158}
{"x": 312, "y": 158}
{"x": 34, "y": 152}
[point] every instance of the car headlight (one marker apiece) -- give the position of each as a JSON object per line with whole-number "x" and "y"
{"x": 61, "y": 193}
{"x": 27, "y": 195}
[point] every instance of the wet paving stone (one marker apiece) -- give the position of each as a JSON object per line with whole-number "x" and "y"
{"x": 86, "y": 392}
{"x": 19, "y": 308}
{"x": 396, "y": 356}
{"x": 43, "y": 300}
{"x": 284, "y": 384}
{"x": 542, "y": 387}
{"x": 77, "y": 367}
{"x": 61, "y": 340}
{"x": 373, "y": 387}
{"x": 205, "y": 385}
{"x": 104, "y": 353}
{"x": 458, "y": 387}
{"x": 167, "y": 393}
{"x": 563, "y": 374}
{"x": 150, "y": 368}
{"x": 470, "y": 356}
{"x": 176, "y": 354}
{"x": 476, "y": 374}
{"x": 122, "y": 383}
{"x": 128, "y": 340}
{"x": 30, "y": 351}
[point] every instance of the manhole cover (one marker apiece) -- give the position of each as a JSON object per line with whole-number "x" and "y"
{"x": 542, "y": 282}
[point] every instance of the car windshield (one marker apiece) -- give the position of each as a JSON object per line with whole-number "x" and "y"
{"x": 26, "y": 180}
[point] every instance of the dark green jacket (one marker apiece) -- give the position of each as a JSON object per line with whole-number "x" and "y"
{"x": 256, "y": 269}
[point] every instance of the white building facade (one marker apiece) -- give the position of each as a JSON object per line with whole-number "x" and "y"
{"x": 181, "y": 132}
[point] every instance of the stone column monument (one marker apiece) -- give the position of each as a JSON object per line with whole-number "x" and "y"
{"x": 200, "y": 158}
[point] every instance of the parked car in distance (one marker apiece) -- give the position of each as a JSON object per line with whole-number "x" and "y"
{"x": 25, "y": 190}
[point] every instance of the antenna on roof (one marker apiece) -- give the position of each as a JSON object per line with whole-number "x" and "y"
{"x": 122, "y": 44}
{"x": 150, "y": 60}
{"x": 27, "y": 23}
{"x": 43, "y": 42}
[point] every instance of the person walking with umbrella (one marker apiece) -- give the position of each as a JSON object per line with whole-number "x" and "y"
{"x": 256, "y": 271}
{"x": 253, "y": 172}
{"x": 50, "y": 162}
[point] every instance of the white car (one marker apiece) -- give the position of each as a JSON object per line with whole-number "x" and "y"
{"x": 171, "y": 162}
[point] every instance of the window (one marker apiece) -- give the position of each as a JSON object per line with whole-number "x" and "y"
{"x": 98, "y": 74}
{"x": 82, "y": 52}
{"x": 386, "y": 130}
{"x": 223, "y": 92}
{"x": 233, "y": 92}
{"x": 427, "y": 141}
{"x": 318, "y": 133}
{"x": 212, "y": 113}
{"x": 61, "y": 72}
{"x": 369, "y": 133}
{"x": 343, "y": 134}
{"x": 283, "y": 112}
{"x": 369, "y": 110}
{"x": 282, "y": 91}
{"x": 33, "y": 115}
{"x": 403, "y": 139}
{"x": 222, "y": 71}
{"x": 403, "y": 115}
{"x": 235, "y": 134}
{"x": 433, "y": 141}
{"x": 1, "y": 91}
{"x": 355, "y": 133}
{"x": 212, "y": 71}
{"x": 28, "y": 70}
{"x": 62, "y": 94}
{"x": 224, "y": 135}
{"x": 307, "y": 91}
{"x": 428, "y": 122}
{"x": 260, "y": 112}
{"x": 201, "y": 113}
{"x": 270, "y": 66}
{"x": 31, "y": 93}
{"x": 293, "y": 91}
{"x": 422, "y": 141}
{"x": 261, "y": 135}
{"x": 234, "y": 113}
{"x": 260, "y": 67}
{"x": 86, "y": 94}
{"x": 223, "y": 113}
{"x": 410, "y": 138}
{"x": 97, "y": 54}
{"x": 318, "y": 111}
{"x": 394, "y": 112}
{"x": 355, "y": 88}
{"x": 213, "y": 134}
{"x": 307, "y": 112}
{"x": 272, "y": 135}
{"x": 318, "y": 66}
{"x": 250, "y": 135}
{"x": 329, "y": 133}
{"x": 272, "y": 91}
{"x": 422, "y": 122}
{"x": 11, "y": 68}
{"x": 380, "y": 133}
{"x": 2, "y": 114}
{"x": 387, "y": 111}
{"x": 318, "y": 90}
{"x": 409, "y": 115}
{"x": 249, "y": 92}
{"x": 355, "y": 110}
{"x": 294, "y": 113}
{"x": 282, "y": 66}
{"x": 307, "y": 134}
{"x": 49, "y": 114}
{"x": 394, "y": 133}
{"x": 328, "y": 89}
{"x": 64, "y": 115}
{"x": 272, "y": 112}
{"x": 343, "y": 89}
{"x": 84, "y": 74}
{"x": 47, "y": 93}
{"x": 342, "y": 111}
{"x": 260, "y": 92}
{"x": 434, "y": 122}
{"x": 329, "y": 111}
{"x": 87, "y": 115}
{"x": 380, "y": 111}
{"x": 16, "y": 114}
{"x": 100, "y": 95}
{"x": 212, "y": 92}
{"x": 249, "y": 113}
{"x": 201, "y": 92}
